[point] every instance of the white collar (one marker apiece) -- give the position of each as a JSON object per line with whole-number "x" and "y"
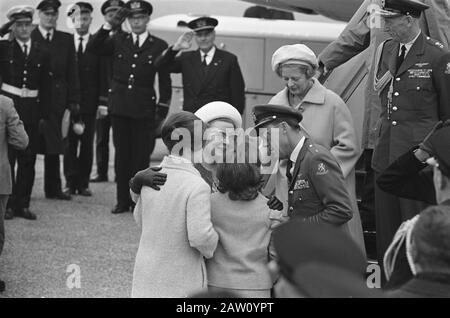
{"x": 44, "y": 32}
{"x": 85, "y": 37}
{"x": 210, "y": 53}
{"x": 21, "y": 44}
{"x": 409, "y": 44}
{"x": 142, "y": 37}
{"x": 297, "y": 149}
{"x": 178, "y": 159}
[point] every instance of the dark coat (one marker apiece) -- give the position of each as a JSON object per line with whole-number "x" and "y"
{"x": 317, "y": 191}
{"x": 89, "y": 69}
{"x": 424, "y": 286}
{"x": 420, "y": 97}
{"x": 132, "y": 92}
{"x": 223, "y": 81}
{"x": 409, "y": 178}
{"x": 31, "y": 72}
{"x": 63, "y": 88}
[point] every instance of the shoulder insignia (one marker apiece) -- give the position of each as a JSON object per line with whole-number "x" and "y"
{"x": 439, "y": 45}
{"x": 321, "y": 169}
{"x": 447, "y": 69}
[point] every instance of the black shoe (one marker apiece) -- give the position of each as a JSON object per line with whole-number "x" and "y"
{"x": 25, "y": 213}
{"x": 70, "y": 191}
{"x": 85, "y": 192}
{"x": 9, "y": 214}
{"x": 59, "y": 196}
{"x": 120, "y": 209}
{"x": 2, "y": 286}
{"x": 99, "y": 179}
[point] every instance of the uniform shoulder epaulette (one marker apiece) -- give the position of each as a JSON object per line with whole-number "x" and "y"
{"x": 435, "y": 43}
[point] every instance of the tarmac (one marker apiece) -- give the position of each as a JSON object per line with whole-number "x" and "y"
{"x": 74, "y": 249}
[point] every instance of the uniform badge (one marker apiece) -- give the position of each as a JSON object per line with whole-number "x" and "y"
{"x": 135, "y": 5}
{"x": 321, "y": 169}
{"x": 421, "y": 64}
{"x": 447, "y": 70}
{"x": 301, "y": 184}
{"x": 439, "y": 45}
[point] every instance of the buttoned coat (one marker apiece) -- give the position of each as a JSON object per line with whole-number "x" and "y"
{"x": 328, "y": 122}
{"x": 13, "y": 133}
{"x": 223, "y": 80}
{"x": 420, "y": 97}
{"x": 62, "y": 89}
{"x": 132, "y": 93}
{"x": 317, "y": 191}
{"x": 176, "y": 234}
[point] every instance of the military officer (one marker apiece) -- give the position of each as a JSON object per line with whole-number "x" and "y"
{"x": 317, "y": 191}
{"x": 24, "y": 70}
{"x": 209, "y": 74}
{"x": 63, "y": 93}
{"x": 79, "y": 153}
{"x": 413, "y": 82}
{"x": 103, "y": 122}
{"x": 132, "y": 99}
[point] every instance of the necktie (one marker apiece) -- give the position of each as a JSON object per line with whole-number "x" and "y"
{"x": 136, "y": 44}
{"x": 48, "y": 38}
{"x": 25, "y": 49}
{"x": 204, "y": 65}
{"x": 401, "y": 58}
{"x": 288, "y": 170}
{"x": 80, "y": 48}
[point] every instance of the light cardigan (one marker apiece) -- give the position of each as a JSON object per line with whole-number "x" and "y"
{"x": 176, "y": 234}
{"x": 245, "y": 228}
{"x": 328, "y": 122}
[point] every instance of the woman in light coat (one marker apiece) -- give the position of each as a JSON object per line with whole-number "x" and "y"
{"x": 177, "y": 233}
{"x": 326, "y": 118}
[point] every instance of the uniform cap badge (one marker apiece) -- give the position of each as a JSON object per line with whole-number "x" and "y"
{"x": 135, "y": 5}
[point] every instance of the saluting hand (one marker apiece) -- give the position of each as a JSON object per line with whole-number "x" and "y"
{"x": 6, "y": 28}
{"x": 184, "y": 42}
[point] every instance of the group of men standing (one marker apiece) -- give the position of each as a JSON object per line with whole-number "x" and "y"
{"x": 67, "y": 87}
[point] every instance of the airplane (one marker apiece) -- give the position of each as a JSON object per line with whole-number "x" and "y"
{"x": 341, "y": 10}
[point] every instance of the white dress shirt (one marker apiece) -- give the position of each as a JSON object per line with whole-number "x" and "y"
{"x": 209, "y": 55}
{"x": 296, "y": 152}
{"x": 76, "y": 38}
{"x": 44, "y": 32}
{"x": 142, "y": 38}
{"x": 28, "y": 44}
{"x": 408, "y": 45}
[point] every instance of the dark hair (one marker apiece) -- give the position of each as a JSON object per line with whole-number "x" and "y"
{"x": 431, "y": 237}
{"x": 181, "y": 120}
{"x": 242, "y": 181}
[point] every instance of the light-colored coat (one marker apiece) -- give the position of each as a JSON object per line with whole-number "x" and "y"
{"x": 177, "y": 234}
{"x": 328, "y": 122}
{"x": 11, "y": 132}
{"x": 245, "y": 228}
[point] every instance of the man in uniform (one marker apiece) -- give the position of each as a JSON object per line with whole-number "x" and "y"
{"x": 132, "y": 98}
{"x": 209, "y": 74}
{"x": 78, "y": 163}
{"x": 63, "y": 93}
{"x": 317, "y": 191}
{"x": 24, "y": 70}
{"x": 413, "y": 82}
{"x": 103, "y": 122}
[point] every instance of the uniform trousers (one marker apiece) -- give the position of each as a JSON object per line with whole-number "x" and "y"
{"x": 3, "y": 202}
{"x": 103, "y": 126}
{"x": 52, "y": 175}
{"x": 134, "y": 140}
{"x": 23, "y": 176}
{"x": 79, "y": 154}
{"x": 390, "y": 212}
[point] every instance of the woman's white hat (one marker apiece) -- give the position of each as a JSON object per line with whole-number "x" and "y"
{"x": 217, "y": 110}
{"x": 294, "y": 54}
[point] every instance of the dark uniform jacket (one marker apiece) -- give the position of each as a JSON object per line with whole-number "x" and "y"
{"x": 90, "y": 73}
{"x": 424, "y": 286}
{"x": 64, "y": 87}
{"x": 132, "y": 92}
{"x": 420, "y": 97}
{"x": 317, "y": 191}
{"x": 409, "y": 178}
{"x": 30, "y": 72}
{"x": 223, "y": 80}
